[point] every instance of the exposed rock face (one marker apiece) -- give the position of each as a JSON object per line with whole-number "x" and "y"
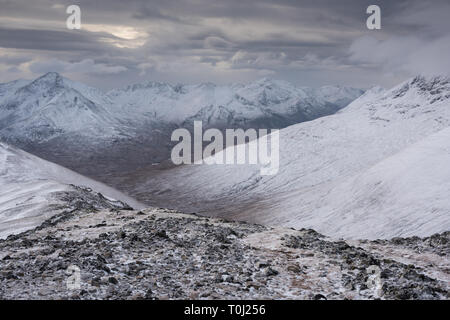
{"x": 162, "y": 254}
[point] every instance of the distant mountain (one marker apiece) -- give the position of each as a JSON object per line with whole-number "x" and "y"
{"x": 172, "y": 253}
{"x": 269, "y": 102}
{"x": 106, "y": 134}
{"x": 378, "y": 168}
{"x": 51, "y": 106}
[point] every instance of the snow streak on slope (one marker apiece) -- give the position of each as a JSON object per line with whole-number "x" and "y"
{"x": 341, "y": 174}
{"x": 28, "y": 190}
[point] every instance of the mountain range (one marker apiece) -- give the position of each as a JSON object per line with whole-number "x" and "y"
{"x": 71, "y": 124}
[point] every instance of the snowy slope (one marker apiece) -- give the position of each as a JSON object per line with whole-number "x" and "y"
{"x": 406, "y": 194}
{"x": 29, "y": 188}
{"x": 9, "y": 88}
{"x": 361, "y": 173}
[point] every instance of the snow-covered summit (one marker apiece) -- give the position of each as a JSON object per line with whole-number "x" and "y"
{"x": 45, "y": 83}
{"x": 50, "y": 106}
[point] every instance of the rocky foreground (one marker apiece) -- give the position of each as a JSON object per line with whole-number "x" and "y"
{"x": 162, "y": 254}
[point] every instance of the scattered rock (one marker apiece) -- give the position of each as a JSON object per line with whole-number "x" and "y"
{"x": 162, "y": 254}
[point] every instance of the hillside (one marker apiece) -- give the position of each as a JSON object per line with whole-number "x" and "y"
{"x": 33, "y": 190}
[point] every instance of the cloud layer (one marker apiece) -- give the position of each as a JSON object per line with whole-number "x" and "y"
{"x": 307, "y": 42}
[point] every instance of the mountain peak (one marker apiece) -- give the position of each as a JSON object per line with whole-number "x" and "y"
{"x": 266, "y": 81}
{"x": 51, "y": 77}
{"x": 51, "y": 74}
{"x": 48, "y": 81}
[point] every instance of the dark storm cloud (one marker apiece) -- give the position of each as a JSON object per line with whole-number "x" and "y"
{"x": 310, "y": 42}
{"x": 150, "y": 12}
{"x": 47, "y": 40}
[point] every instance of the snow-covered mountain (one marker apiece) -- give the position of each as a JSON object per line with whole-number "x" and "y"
{"x": 51, "y": 106}
{"x": 378, "y": 168}
{"x": 32, "y": 190}
{"x": 106, "y": 134}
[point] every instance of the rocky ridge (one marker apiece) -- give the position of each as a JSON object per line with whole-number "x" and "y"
{"x": 163, "y": 254}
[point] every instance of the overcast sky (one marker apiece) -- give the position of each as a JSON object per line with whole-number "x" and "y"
{"x": 311, "y": 42}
